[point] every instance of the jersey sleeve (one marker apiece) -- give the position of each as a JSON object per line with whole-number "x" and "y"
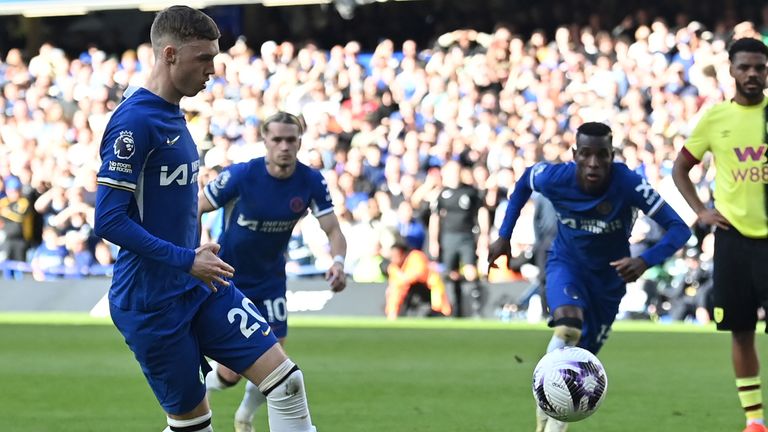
{"x": 697, "y": 143}
{"x": 644, "y": 197}
{"x": 676, "y": 235}
{"x": 641, "y": 194}
{"x": 320, "y": 198}
{"x": 520, "y": 195}
{"x": 224, "y": 188}
{"x": 538, "y": 177}
{"x": 124, "y": 149}
{"x": 113, "y": 224}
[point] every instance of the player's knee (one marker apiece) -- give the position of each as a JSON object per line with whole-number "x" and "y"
{"x": 286, "y": 380}
{"x": 286, "y": 397}
{"x": 197, "y": 424}
{"x": 568, "y": 329}
{"x": 290, "y": 388}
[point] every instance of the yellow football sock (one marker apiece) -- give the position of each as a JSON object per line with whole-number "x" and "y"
{"x": 751, "y": 398}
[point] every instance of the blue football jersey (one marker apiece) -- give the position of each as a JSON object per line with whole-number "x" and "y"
{"x": 594, "y": 230}
{"x": 260, "y": 212}
{"x": 147, "y": 200}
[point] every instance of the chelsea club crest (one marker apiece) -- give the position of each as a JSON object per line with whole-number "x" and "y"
{"x": 604, "y": 208}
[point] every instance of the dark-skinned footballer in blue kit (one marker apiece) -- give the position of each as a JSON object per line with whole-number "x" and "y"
{"x": 171, "y": 298}
{"x": 589, "y": 265}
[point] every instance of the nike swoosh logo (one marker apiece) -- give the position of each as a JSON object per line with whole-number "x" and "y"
{"x": 171, "y": 142}
{"x": 266, "y": 333}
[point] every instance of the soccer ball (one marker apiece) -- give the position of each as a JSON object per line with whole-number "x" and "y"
{"x": 569, "y": 384}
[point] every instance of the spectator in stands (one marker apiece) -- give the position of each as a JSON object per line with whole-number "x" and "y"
{"x": 79, "y": 259}
{"x": 16, "y": 219}
{"x": 50, "y": 203}
{"x": 48, "y": 258}
{"x": 409, "y": 227}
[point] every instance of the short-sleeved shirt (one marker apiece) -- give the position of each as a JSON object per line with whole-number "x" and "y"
{"x": 457, "y": 209}
{"x": 735, "y": 135}
{"x": 260, "y": 214}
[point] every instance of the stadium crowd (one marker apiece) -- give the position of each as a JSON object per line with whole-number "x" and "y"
{"x": 380, "y": 126}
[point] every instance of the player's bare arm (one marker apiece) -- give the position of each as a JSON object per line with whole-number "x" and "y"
{"x": 484, "y": 223}
{"x": 203, "y": 206}
{"x": 707, "y": 216}
{"x": 335, "y": 274}
{"x": 434, "y": 235}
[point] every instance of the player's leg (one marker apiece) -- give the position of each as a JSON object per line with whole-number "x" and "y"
{"x": 199, "y": 419}
{"x": 760, "y": 284}
{"x": 220, "y": 377}
{"x": 567, "y": 322}
{"x": 282, "y": 382}
{"x": 247, "y": 345}
{"x": 169, "y": 354}
{"x": 746, "y": 368}
{"x": 604, "y": 291}
{"x": 566, "y": 302}
{"x": 450, "y": 259}
{"x": 468, "y": 251}
{"x": 735, "y": 310}
{"x": 275, "y": 310}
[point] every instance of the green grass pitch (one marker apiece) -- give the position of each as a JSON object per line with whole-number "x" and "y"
{"x": 73, "y": 373}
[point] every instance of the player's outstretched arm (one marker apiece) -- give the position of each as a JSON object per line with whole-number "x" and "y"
{"x": 647, "y": 199}
{"x": 335, "y": 275}
{"x": 676, "y": 235}
{"x": 517, "y": 200}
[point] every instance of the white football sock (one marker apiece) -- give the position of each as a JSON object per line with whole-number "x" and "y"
{"x": 286, "y": 400}
{"x": 554, "y": 343}
{"x": 197, "y": 424}
{"x": 541, "y": 419}
{"x": 564, "y": 336}
{"x": 556, "y": 426}
{"x": 213, "y": 381}
{"x": 252, "y": 400}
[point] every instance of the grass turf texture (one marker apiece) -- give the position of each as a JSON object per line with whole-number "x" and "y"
{"x": 69, "y": 372}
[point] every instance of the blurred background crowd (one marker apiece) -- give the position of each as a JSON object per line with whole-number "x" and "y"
{"x": 383, "y": 123}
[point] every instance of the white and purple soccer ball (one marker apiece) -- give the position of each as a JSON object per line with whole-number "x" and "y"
{"x": 569, "y": 384}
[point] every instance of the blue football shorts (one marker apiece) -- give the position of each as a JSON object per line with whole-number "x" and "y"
{"x": 597, "y": 292}
{"x": 171, "y": 343}
{"x": 269, "y": 298}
